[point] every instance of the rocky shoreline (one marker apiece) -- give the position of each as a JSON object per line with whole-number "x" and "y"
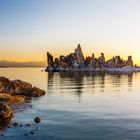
{"x": 14, "y": 94}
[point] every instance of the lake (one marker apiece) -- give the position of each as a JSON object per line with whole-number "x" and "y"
{"x": 78, "y": 106}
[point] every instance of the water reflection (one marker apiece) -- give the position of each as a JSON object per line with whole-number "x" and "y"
{"x": 66, "y": 80}
{"x": 130, "y": 78}
{"x": 88, "y": 81}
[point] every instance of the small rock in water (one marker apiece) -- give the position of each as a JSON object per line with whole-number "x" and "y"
{"x": 21, "y": 125}
{"x": 37, "y": 119}
{"x": 15, "y": 124}
{"x": 2, "y": 134}
{"x": 25, "y": 134}
{"x": 8, "y": 126}
{"x": 32, "y": 133}
{"x": 29, "y": 125}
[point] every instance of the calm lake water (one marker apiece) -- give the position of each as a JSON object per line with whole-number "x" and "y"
{"x": 79, "y": 106}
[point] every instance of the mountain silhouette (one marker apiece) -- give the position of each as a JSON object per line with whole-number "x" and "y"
{"x": 5, "y": 63}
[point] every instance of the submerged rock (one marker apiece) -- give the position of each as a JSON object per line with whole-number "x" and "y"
{"x": 32, "y": 133}
{"x": 21, "y": 125}
{"x": 28, "y": 125}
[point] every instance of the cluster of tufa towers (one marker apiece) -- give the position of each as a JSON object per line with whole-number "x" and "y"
{"x": 77, "y": 61}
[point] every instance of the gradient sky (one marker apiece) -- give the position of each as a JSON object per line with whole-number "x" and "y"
{"x": 29, "y": 28}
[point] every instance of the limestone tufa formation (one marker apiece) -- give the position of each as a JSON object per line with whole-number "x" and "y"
{"x": 76, "y": 61}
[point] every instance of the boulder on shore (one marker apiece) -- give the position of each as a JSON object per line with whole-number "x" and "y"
{"x": 5, "y": 111}
{"x": 6, "y": 85}
{"x": 18, "y": 87}
{"x": 31, "y": 92}
{"x": 12, "y": 101}
{"x": 6, "y": 114}
{"x": 12, "y": 94}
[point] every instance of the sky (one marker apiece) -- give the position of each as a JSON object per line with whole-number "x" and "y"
{"x": 30, "y": 28}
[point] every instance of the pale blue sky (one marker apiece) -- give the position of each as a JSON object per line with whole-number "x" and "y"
{"x": 29, "y": 28}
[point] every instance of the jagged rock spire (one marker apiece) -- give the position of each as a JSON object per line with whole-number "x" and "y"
{"x": 79, "y": 55}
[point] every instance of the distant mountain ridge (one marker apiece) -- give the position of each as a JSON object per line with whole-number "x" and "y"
{"x": 5, "y": 63}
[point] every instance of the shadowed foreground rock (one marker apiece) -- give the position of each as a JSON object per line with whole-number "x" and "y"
{"x": 12, "y": 94}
